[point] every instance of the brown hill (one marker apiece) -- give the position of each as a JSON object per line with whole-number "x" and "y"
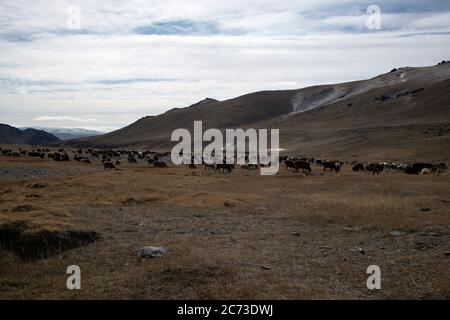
{"x": 402, "y": 114}
{"x": 12, "y": 135}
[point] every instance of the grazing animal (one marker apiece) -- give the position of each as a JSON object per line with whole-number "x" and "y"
{"x": 132, "y": 160}
{"x": 375, "y": 168}
{"x": 108, "y": 165}
{"x": 439, "y": 167}
{"x": 290, "y": 164}
{"x": 443, "y": 166}
{"x": 35, "y": 154}
{"x": 303, "y": 165}
{"x": 224, "y": 168}
{"x": 358, "y": 167}
{"x": 60, "y": 157}
{"x": 210, "y": 167}
{"x": 378, "y": 169}
{"x": 332, "y": 166}
{"x": 416, "y": 168}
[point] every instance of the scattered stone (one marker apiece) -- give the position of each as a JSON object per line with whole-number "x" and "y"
{"x": 361, "y": 251}
{"x": 151, "y": 252}
{"x": 296, "y": 234}
{"x": 425, "y": 209}
{"x": 447, "y": 253}
{"x": 397, "y": 233}
{"x": 266, "y": 267}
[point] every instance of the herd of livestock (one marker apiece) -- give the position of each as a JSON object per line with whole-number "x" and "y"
{"x": 376, "y": 168}
{"x": 111, "y": 159}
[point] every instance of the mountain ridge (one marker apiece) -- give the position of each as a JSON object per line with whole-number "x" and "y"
{"x": 12, "y": 135}
{"x": 67, "y": 133}
{"x": 401, "y": 97}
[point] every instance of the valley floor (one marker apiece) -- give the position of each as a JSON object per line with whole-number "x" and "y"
{"x": 237, "y": 236}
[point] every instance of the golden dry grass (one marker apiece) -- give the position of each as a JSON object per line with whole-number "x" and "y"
{"x": 307, "y": 229}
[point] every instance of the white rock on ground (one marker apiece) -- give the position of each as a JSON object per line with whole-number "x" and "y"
{"x": 151, "y": 252}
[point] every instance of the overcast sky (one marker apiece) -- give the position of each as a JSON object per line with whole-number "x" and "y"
{"x": 104, "y": 64}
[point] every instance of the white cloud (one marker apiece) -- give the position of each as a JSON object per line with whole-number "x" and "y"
{"x": 63, "y": 118}
{"x": 432, "y": 22}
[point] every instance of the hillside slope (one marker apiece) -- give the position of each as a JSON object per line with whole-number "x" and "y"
{"x": 154, "y": 132}
{"x": 409, "y": 126}
{"x": 67, "y": 133}
{"x": 12, "y": 135}
{"x": 321, "y": 119}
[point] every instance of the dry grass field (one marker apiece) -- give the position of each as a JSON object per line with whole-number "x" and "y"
{"x": 237, "y": 236}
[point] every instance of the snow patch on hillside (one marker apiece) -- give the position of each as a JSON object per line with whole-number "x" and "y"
{"x": 302, "y": 101}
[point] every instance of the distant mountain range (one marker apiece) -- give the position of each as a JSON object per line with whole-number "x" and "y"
{"x": 402, "y": 114}
{"x": 12, "y": 135}
{"x": 69, "y": 133}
